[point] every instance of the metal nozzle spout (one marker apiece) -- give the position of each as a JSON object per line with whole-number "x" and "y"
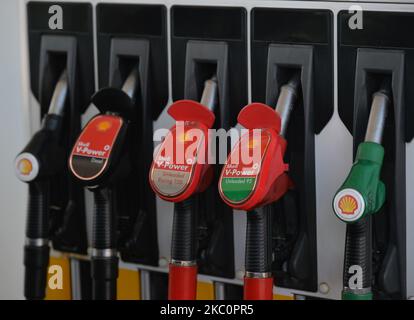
{"x": 209, "y": 96}
{"x": 57, "y": 103}
{"x": 286, "y": 101}
{"x": 377, "y": 115}
{"x": 130, "y": 84}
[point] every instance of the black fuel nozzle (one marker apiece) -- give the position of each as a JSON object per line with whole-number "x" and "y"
{"x": 100, "y": 160}
{"x": 41, "y": 160}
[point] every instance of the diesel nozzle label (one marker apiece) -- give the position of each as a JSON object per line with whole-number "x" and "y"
{"x": 90, "y": 154}
{"x": 242, "y": 169}
{"x": 174, "y": 164}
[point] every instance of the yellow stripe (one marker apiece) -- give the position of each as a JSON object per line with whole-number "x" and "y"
{"x": 65, "y": 293}
{"x": 205, "y": 291}
{"x": 282, "y": 297}
{"x": 128, "y": 285}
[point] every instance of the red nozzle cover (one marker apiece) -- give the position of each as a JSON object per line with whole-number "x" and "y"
{"x": 180, "y": 167}
{"x": 189, "y": 110}
{"x": 259, "y": 116}
{"x": 260, "y": 179}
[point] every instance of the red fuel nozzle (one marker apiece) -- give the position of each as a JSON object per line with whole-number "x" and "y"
{"x": 253, "y": 176}
{"x": 179, "y": 170}
{"x": 255, "y": 173}
{"x": 180, "y": 166}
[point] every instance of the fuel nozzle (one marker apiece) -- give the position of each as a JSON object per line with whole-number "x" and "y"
{"x": 43, "y": 157}
{"x": 190, "y": 132}
{"x": 177, "y": 174}
{"x": 363, "y": 192}
{"x": 40, "y": 161}
{"x": 361, "y": 195}
{"x": 99, "y": 159}
{"x": 266, "y": 171}
{"x": 252, "y": 184}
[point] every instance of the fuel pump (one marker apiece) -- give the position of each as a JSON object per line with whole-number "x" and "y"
{"x": 179, "y": 180}
{"x": 253, "y": 184}
{"x": 39, "y": 162}
{"x": 100, "y": 159}
{"x": 362, "y": 195}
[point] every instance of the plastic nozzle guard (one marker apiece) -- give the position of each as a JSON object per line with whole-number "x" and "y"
{"x": 180, "y": 167}
{"x": 247, "y": 182}
{"x": 363, "y": 192}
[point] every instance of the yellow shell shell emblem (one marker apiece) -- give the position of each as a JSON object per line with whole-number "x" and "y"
{"x": 103, "y": 126}
{"x": 25, "y": 166}
{"x": 348, "y": 204}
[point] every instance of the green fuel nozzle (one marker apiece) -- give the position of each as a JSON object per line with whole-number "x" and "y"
{"x": 361, "y": 195}
{"x": 363, "y": 192}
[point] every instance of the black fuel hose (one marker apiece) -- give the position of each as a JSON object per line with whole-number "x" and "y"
{"x": 358, "y": 250}
{"x": 104, "y": 259}
{"x": 183, "y": 243}
{"x": 259, "y": 241}
{"x": 36, "y": 249}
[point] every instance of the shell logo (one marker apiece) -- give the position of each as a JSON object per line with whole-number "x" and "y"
{"x": 25, "y": 166}
{"x": 253, "y": 143}
{"x": 103, "y": 126}
{"x": 184, "y": 137}
{"x": 348, "y": 204}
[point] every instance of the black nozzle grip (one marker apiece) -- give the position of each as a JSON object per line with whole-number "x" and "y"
{"x": 358, "y": 250}
{"x": 104, "y": 272}
{"x": 104, "y": 222}
{"x": 259, "y": 241}
{"x": 37, "y": 223}
{"x": 36, "y": 262}
{"x": 183, "y": 244}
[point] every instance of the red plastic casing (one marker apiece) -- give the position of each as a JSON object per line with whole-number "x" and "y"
{"x": 193, "y": 115}
{"x": 182, "y": 283}
{"x": 258, "y": 289}
{"x": 272, "y": 180}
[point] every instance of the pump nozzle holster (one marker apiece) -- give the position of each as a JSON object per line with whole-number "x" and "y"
{"x": 363, "y": 192}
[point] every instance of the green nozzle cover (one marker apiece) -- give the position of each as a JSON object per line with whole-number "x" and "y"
{"x": 362, "y": 192}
